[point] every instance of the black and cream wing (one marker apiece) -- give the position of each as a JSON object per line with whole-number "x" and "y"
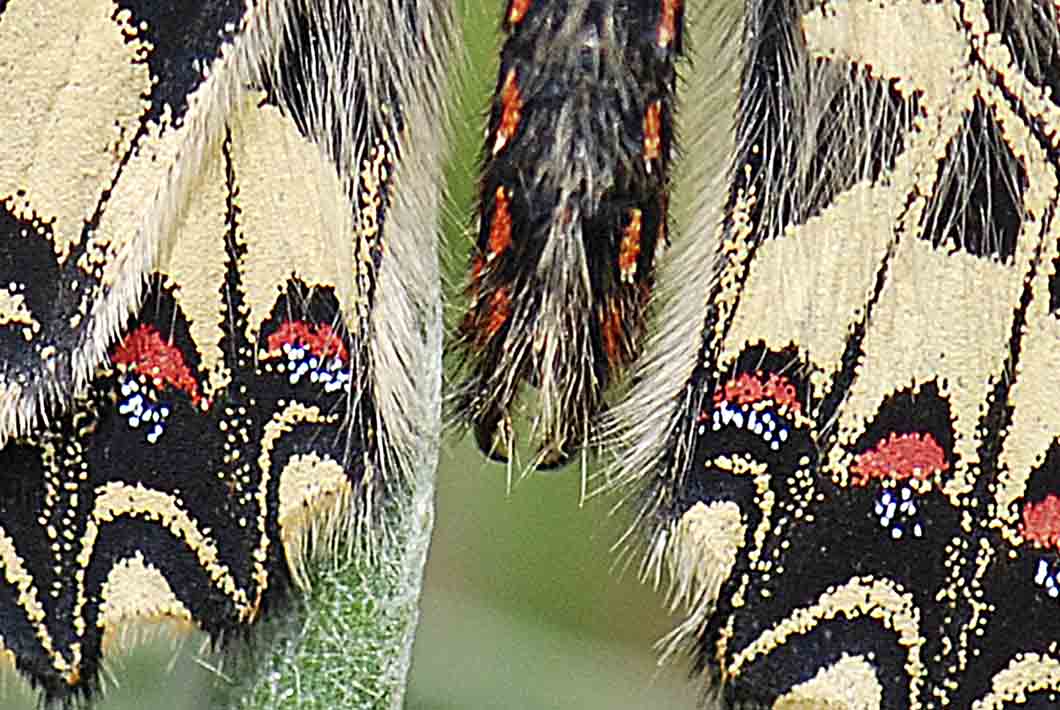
{"x": 851, "y": 465}
{"x": 218, "y": 317}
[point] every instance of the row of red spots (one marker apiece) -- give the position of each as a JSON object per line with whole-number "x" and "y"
{"x": 652, "y": 129}
{"x": 900, "y": 457}
{"x": 668, "y": 22}
{"x": 321, "y": 340}
{"x": 148, "y": 354}
{"x": 750, "y": 388}
{"x": 511, "y": 112}
{"x": 1041, "y": 522}
{"x": 629, "y": 249}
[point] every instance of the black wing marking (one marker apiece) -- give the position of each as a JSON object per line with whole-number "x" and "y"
{"x": 268, "y": 390}
{"x": 857, "y": 496}
{"x": 93, "y": 128}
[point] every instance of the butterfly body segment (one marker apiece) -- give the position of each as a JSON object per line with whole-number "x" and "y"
{"x": 573, "y": 210}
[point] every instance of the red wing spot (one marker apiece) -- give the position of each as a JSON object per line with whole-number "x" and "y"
{"x": 668, "y": 22}
{"x": 1041, "y": 522}
{"x": 900, "y": 457}
{"x": 652, "y": 132}
{"x": 511, "y": 112}
{"x": 629, "y": 250}
{"x": 517, "y": 10}
{"x": 321, "y": 340}
{"x": 147, "y": 354}
{"x": 501, "y": 226}
{"x": 749, "y": 388}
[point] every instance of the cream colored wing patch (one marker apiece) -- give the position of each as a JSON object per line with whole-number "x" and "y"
{"x": 199, "y": 240}
{"x": 107, "y": 113}
{"x": 853, "y": 677}
{"x": 880, "y": 344}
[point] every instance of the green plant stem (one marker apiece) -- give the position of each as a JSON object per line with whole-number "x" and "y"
{"x": 349, "y": 643}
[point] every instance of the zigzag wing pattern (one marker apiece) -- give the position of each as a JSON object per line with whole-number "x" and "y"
{"x": 93, "y": 129}
{"x": 858, "y": 496}
{"x": 192, "y": 164}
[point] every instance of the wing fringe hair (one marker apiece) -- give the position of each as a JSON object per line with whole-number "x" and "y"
{"x": 365, "y": 84}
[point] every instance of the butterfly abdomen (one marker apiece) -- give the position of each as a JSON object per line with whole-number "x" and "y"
{"x": 572, "y": 211}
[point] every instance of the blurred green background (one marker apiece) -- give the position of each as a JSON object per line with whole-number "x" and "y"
{"x": 523, "y": 607}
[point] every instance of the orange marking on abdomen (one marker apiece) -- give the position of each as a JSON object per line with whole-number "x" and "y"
{"x": 629, "y": 249}
{"x": 661, "y": 238}
{"x": 668, "y": 22}
{"x": 478, "y": 264}
{"x": 511, "y": 112}
{"x": 500, "y": 309}
{"x": 611, "y": 332}
{"x": 652, "y": 133}
{"x": 501, "y": 226}
{"x": 517, "y": 10}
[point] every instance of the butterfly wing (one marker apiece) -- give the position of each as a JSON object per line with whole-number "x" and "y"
{"x": 105, "y": 100}
{"x": 853, "y": 484}
{"x": 224, "y": 353}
